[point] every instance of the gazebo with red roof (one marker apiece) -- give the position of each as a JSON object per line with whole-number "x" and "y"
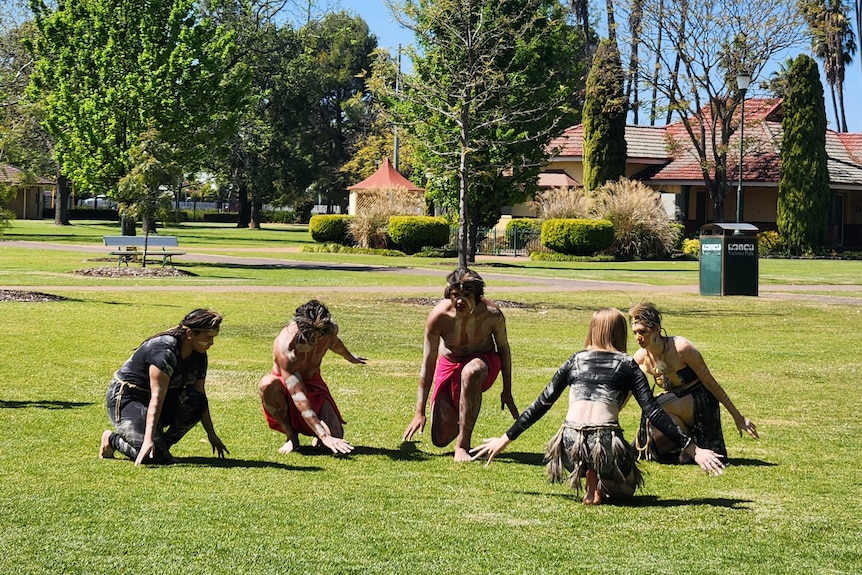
{"x": 385, "y": 178}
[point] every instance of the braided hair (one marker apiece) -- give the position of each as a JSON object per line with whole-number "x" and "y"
{"x": 647, "y": 314}
{"x": 313, "y": 321}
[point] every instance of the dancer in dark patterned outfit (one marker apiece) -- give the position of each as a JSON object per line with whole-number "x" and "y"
{"x": 590, "y": 445}
{"x": 158, "y": 394}
{"x": 691, "y": 395}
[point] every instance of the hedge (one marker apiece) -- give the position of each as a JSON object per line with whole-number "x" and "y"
{"x": 577, "y": 237}
{"x": 330, "y": 228}
{"x": 412, "y": 233}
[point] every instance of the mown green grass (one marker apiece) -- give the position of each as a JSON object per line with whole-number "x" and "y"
{"x": 788, "y": 503}
{"x": 278, "y": 245}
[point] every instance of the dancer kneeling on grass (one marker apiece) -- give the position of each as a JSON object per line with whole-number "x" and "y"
{"x": 158, "y": 395}
{"x": 295, "y": 398}
{"x": 690, "y": 393}
{"x": 590, "y": 445}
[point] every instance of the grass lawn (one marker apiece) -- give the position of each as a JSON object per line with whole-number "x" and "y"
{"x": 789, "y": 503}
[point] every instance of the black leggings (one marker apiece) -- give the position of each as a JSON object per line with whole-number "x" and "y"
{"x": 127, "y": 410}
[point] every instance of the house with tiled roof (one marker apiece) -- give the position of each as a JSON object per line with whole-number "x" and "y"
{"x": 664, "y": 159}
{"x": 26, "y": 204}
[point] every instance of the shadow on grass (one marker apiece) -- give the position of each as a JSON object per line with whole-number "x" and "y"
{"x": 285, "y": 265}
{"x": 534, "y": 459}
{"x": 654, "y": 500}
{"x": 741, "y": 462}
{"x": 407, "y": 451}
{"x": 44, "y": 404}
{"x": 229, "y": 463}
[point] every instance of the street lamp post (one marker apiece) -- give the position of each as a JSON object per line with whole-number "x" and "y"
{"x": 743, "y": 79}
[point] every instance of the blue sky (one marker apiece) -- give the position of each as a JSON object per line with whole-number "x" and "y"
{"x": 390, "y": 35}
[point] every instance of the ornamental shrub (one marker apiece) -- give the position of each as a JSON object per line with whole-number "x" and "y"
{"x": 412, "y": 233}
{"x": 577, "y": 237}
{"x": 691, "y": 248}
{"x": 330, "y": 228}
{"x": 642, "y": 228}
{"x": 521, "y": 231}
{"x": 769, "y": 243}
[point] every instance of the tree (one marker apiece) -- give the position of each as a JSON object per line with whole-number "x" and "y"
{"x": 23, "y": 142}
{"x": 492, "y": 83}
{"x": 140, "y": 190}
{"x": 341, "y": 48}
{"x": 803, "y": 184}
{"x": 699, "y": 49}
{"x": 777, "y": 83}
{"x": 604, "y": 121}
{"x": 832, "y": 41}
{"x": 107, "y": 70}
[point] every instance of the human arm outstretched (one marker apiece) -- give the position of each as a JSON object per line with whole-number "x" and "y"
{"x": 337, "y": 346}
{"x": 693, "y": 358}
{"x": 159, "y": 381}
{"x": 501, "y": 341}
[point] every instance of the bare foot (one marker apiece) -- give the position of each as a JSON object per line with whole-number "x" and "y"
{"x": 105, "y": 449}
{"x": 594, "y": 494}
{"x": 462, "y": 455}
{"x": 289, "y": 446}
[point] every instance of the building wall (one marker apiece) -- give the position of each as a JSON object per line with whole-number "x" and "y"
{"x": 27, "y": 204}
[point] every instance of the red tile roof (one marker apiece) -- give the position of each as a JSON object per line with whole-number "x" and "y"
{"x": 386, "y": 177}
{"x": 670, "y": 149}
{"x": 10, "y": 174}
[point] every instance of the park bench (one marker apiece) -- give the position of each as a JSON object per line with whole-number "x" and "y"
{"x": 129, "y": 247}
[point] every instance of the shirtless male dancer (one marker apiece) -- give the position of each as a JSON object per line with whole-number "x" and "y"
{"x": 468, "y": 333}
{"x": 295, "y": 398}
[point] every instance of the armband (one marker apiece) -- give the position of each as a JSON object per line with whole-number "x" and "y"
{"x": 320, "y": 430}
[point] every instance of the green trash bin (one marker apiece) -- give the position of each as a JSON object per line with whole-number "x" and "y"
{"x": 728, "y": 259}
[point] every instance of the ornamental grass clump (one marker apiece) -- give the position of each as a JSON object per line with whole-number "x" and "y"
{"x": 642, "y": 228}
{"x": 370, "y": 225}
{"x": 562, "y": 203}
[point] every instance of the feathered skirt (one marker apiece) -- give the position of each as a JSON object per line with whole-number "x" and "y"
{"x": 576, "y": 449}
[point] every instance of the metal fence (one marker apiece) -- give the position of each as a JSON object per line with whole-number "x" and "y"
{"x": 511, "y": 242}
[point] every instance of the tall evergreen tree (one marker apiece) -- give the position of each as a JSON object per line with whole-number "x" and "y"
{"x": 604, "y": 121}
{"x": 803, "y": 184}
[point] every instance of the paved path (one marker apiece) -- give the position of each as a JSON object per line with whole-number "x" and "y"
{"x": 821, "y": 293}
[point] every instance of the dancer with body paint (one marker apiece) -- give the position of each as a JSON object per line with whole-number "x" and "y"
{"x": 296, "y": 401}
{"x": 466, "y": 347}
{"x": 158, "y": 394}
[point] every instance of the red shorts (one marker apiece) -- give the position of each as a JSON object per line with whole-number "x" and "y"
{"x": 317, "y": 393}
{"x": 447, "y": 378}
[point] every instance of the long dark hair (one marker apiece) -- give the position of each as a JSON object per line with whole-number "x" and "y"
{"x": 197, "y": 320}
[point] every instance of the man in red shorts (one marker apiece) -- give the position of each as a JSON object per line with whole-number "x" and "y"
{"x": 467, "y": 346}
{"x": 295, "y": 398}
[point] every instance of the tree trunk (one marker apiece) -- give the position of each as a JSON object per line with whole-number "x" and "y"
{"x": 835, "y": 107}
{"x": 148, "y": 225}
{"x": 61, "y": 201}
{"x": 717, "y": 194}
{"x": 842, "y": 119}
{"x": 254, "y": 220}
{"x": 244, "y": 216}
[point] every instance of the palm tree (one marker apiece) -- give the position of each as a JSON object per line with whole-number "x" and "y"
{"x": 833, "y": 42}
{"x": 777, "y": 84}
